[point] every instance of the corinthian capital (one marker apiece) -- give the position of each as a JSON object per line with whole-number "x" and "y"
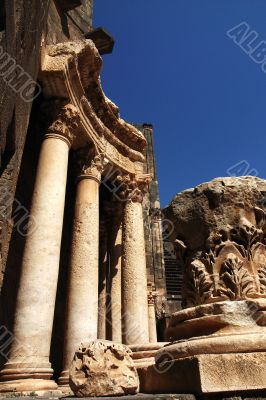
{"x": 65, "y": 123}
{"x": 133, "y": 187}
{"x": 89, "y": 165}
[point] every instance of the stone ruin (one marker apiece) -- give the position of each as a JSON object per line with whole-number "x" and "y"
{"x": 83, "y": 300}
{"x": 216, "y": 344}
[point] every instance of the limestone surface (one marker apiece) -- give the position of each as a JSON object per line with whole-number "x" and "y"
{"x": 206, "y": 374}
{"x": 103, "y": 368}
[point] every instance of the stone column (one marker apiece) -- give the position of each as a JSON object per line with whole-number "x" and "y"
{"x": 115, "y": 251}
{"x": 134, "y": 278}
{"x": 82, "y": 304}
{"x": 28, "y": 368}
{"x": 103, "y": 259}
{"x": 152, "y": 316}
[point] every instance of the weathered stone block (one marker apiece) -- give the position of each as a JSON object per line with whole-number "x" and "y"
{"x": 103, "y": 368}
{"x": 207, "y": 373}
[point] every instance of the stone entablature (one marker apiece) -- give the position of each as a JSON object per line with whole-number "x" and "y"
{"x": 70, "y": 71}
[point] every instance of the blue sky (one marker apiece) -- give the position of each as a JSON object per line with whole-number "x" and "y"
{"x": 174, "y": 66}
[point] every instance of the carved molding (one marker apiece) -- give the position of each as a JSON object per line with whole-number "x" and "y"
{"x": 71, "y": 71}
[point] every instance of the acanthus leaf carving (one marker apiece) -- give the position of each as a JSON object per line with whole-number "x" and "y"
{"x": 199, "y": 286}
{"x": 235, "y": 281}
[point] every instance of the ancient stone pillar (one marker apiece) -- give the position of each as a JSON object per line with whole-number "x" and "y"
{"x": 152, "y": 315}
{"x": 220, "y": 234}
{"x": 115, "y": 303}
{"x": 134, "y": 278}
{"x": 103, "y": 259}
{"x": 28, "y": 368}
{"x": 82, "y": 301}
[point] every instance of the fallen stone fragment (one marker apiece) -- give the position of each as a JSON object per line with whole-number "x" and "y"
{"x": 103, "y": 368}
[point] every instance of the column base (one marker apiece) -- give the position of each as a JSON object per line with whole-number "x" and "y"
{"x": 13, "y": 372}
{"x": 29, "y": 376}
{"x": 63, "y": 382}
{"x": 64, "y": 378}
{"x": 143, "y": 355}
{"x": 26, "y": 386}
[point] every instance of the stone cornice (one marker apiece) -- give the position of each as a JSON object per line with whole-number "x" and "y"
{"x": 71, "y": 71}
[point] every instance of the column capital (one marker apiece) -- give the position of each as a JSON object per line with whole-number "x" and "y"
{"x": 133, "y": 187}
{"x": 90, "y": 166}
{"x": 65, "y": 123}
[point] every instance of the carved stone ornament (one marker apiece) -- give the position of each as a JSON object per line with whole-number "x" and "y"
{"x": 89, "y": 165}
{"x": 223, "y": 226}
{"x": 65, "y": 124}
{"x": 71, "y": 71}
{"x": 133, "y": 188}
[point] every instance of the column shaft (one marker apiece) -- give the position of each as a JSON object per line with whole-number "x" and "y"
{"x": 115, "y": 284}
{"x": 103, "y": 258}
{"x": 152, "y": 323}
{"x": 29, "y": 357}
{"x": 82, "y": 305}
{"x": 134, "y": 287}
